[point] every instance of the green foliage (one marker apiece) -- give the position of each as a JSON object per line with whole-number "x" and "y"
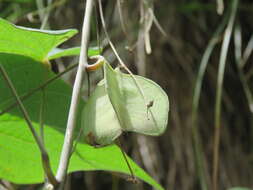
{"x": 117, "y": 105}
{"x": 58, "y": 52}
{"x": 22, "y": 52}
{"x": 32, "y": 43}
{"x": 239, "y": 188}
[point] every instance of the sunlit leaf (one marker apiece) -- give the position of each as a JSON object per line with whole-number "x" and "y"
{"x": 58, "y": 52}
{"x": 19, "y": 155}
{"x": 33, "y": 43}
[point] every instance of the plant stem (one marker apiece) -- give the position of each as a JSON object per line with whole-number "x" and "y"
{"x": 126, "y": 160}
{"x": 43, "y": 152}
{"x": 217, "y": 117}
{"x": 197, "y": 144}
{"x": 46, "y": 16}
{"x": 68, "y": 141}
{"x": 40, "y": 7}
{"x": 220, "y": 7}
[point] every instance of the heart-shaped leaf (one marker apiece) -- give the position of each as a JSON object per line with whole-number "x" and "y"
{"x": 33, "y": 43}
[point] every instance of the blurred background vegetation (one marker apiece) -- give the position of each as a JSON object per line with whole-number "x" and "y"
{"x": 184, "y": 47}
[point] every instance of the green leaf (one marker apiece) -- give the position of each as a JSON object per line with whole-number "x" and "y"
{"x": 19, "y": 156}
{"x": 117, "y": 105}
{"x": 33, "y": 43}
{"x": 58, "y": 52}
{"x": 22, "y": 51}
{"x": 37, "y": 44}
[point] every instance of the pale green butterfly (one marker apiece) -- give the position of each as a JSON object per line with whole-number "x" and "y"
{"x": 116, "y": 105}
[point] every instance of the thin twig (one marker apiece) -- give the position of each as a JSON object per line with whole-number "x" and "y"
{"x": 155, "y": 20}
{"x": 220, "y": 6}
{"x": 43, "y": 13}
{"x": 158, "y": 25}
{"x": 127, "y": 162}
{"x": 247, "y": 52}
{"x": 222, "y": 63}
{"x": 43, "y": 152}
{"x": 141, "y": 55}
{"x": 40, "y": 7}
{"x": 239, "y": 64}
{"x": 68, "y": 141}
{"x": 124, "y": 27}
{"x": 46, "y": 16}
{"x": 121, "y": 18}
{"x": 239, "y": 61}
{"x": 97, "y": 28}
{"x": 53, "y": 5}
